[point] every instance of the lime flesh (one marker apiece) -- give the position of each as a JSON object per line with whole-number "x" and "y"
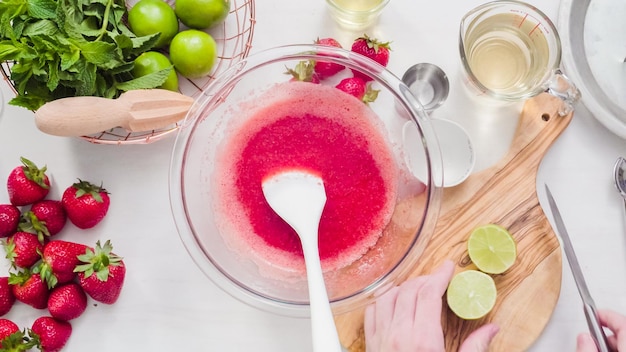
{"x": 471, "y": 294}
{"x": 492, "y": 248}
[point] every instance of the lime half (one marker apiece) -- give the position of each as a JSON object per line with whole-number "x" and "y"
{"x": 471, "y": 294}
{"x": 492, "y": 248}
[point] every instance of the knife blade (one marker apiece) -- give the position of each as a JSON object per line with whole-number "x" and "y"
{"x": 595, "y": 328}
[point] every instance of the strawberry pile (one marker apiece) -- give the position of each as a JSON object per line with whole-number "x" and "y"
{"x": 48, "y": 273}
{"x": 359, "y": 84}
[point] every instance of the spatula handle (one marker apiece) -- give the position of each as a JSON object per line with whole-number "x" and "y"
{"x": 324, "y": 331}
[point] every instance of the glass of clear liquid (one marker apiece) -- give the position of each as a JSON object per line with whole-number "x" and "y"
{"x": 356, "y": 14}
{"x": 511, "y": 51}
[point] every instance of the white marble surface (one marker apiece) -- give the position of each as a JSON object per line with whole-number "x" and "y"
{"x": 167, "y": 303}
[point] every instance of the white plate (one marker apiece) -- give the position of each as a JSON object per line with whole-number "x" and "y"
{"x": 593, "y": 36}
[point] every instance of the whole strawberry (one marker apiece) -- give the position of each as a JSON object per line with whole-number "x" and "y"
{"x": 67, "y": 302}
{"x": 46, "y": 218}
{"x": 23, "y": 249}
{"x": 59, "y": 260}
{"x": 29, "y": 288}
{"x": 358, "y": 88}
{"x": 7, "y": 298}
{"x": 50, "y": 334}
{"x": 9, "y": 219}
{"x": 102, "y": 275}
{"x": 85, "y": 204}
{"x": 325, "y": 69}
{"x": 373, "y": 49}
{"x": 27, "y": 184}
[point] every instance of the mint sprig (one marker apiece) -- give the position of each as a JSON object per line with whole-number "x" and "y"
{"x": 63, "y": 48}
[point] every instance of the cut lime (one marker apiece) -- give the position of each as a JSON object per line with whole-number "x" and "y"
{"x": 471, "y": 294}
{"x": 492, "y": 249}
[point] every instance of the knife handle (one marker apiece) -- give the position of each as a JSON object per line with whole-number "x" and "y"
{"x": 595, "y": 328}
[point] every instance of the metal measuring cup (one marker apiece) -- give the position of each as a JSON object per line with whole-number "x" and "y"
{"x": 430, "y": 86}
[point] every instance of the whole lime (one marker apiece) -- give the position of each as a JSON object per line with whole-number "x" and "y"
{"x": 201, "y": 14}
{"x": 193, "y": 53}
{"x": 148, "y": 17}
{"x": 152, "y": 61}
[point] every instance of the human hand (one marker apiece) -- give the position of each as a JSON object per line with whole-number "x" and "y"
{"x": 408, "y": 318}
{"x": 614, "y": 322}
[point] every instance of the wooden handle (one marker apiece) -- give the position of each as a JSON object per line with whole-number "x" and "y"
{"x": 135, "y": 110}
{"x": 503, "y": 194}
{"x": 78, "y": 116}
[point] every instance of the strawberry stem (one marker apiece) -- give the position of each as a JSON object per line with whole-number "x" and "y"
{"x": 45, "y": 272}
{"x": 31, "y": 224}
{"x": 370, "y": 94}
{"x": 374, "y": 43}
{"x": 303, "y": 71}
{"x": 86, "y": 187}
{"x": 33, "y": 173}
{"x": 17, "y": 342}
{"x": 98, "y": 261}
{"x": 20, "y": 277}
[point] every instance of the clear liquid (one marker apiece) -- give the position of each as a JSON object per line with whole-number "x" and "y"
{"x": 508, "y": 54}
{"x": 358, "y": 5}
{"x": 356, "y": 14}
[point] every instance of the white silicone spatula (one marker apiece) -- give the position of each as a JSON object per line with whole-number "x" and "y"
{"x": 136, "y": 111}
{"x": 298, "y": 197}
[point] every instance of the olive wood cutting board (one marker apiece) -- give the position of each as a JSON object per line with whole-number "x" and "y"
{"x": 504, "y": 194}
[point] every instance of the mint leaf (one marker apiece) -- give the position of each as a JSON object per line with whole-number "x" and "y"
{"x": 53, "y": 75}
{"x": 42, "y": 9}
{"x": 99, "y": 53}
{"x": 143, "y": 44}
{"x": 31, "y": 102}
{"x": 151, "y": 80}
{"x": 63, "y": 48}
{"x": 8, "y": 51}
{"x": 43, "y": 27}
{"x": 69, "y": 58}
{"x": 121, "y": 69}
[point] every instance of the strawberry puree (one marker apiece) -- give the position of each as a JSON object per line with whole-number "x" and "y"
{"x": 314, "y": 127}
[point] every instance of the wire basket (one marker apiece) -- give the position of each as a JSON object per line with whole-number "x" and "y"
{"x": 234, "y": 41}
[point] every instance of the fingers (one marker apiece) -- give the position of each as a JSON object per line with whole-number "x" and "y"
{"x": 584, "y": 343}
{"x": 380, "y": 314}
{"x": 414, "y": 308}
{"x": 479, "y": 339}
{"x": 612, "y": 320}
{"x": 617, "y": 324}
{"x": 430, "y": 293}
{"x": 427, "y": 326}
{"x": 407, "y": 298}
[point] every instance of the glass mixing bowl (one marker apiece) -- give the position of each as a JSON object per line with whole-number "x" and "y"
{"x": 241, "y": 268}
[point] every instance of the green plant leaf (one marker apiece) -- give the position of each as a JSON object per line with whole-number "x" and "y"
{"x": 42, "y": 9}
{"x": 43, "y": 27}
{"x": 151, "y": 80}
{"x": 63, "y": 48}
{"x": 8, "y": 51}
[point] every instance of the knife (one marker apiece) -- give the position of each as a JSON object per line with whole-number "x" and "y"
{"x": 589, "y": 306}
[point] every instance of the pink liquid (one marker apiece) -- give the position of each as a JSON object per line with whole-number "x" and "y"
{"x": 314, "y": 127}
